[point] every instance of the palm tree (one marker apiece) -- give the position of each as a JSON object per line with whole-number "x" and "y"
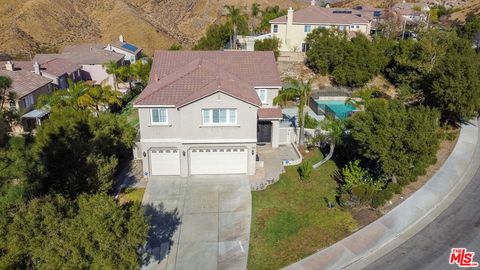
{"x": 235, "y": 17}
{"x": 296, "y": 89}
{"x": 362, "y": 98}
{"x": 255, "y": 11}
{"x": 331, "y": 131}
{"x": 99, "y": 98}
{"x": 112, "y": 68}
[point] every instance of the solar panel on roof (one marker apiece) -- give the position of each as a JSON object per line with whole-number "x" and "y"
{"x": 129, "y": 47}
{"x": 342, "y": 11}
{"x": 377, "y": 13}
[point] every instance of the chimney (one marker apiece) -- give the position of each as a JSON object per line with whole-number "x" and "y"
{"x": 36, "y": 68}
{"x": 313, "y": 3}
{"x": 156, "y": 78}
{"x": 121, "y": 38}
{"x": 290, "y": 16}
{"x": 9, "y": 66}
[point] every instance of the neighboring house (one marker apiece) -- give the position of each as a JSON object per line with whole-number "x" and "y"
{"x": 293, "y": 28}
{"x": 205, "y": 112}
{"x": 27, "y": 87}
{"x": 58, "y": 70}
{"x": 132, "y": 52}
{"x": 89, "y": 58}
{"x": 412, "y": 13}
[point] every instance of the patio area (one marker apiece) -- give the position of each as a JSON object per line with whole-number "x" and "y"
{"x": 271, "y": 164}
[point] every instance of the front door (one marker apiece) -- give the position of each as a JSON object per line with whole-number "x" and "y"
{"x": 264, "y": 132}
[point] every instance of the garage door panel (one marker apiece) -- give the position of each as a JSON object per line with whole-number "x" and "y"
{"x": 218, "y": 161}
{"x": 165, "y": 162}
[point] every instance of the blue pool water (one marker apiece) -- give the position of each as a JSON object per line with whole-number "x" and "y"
{"x": 339, "y": 108}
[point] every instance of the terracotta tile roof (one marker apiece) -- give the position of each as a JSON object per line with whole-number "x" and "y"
{"x": 59, "y": 66}
{"x": 81, "y": 55}
{"x": 318, "y": 15}
{"x": 24, "y": 82}
{"x": 270, "y": 113}
{"x": 198, "y": 79}
{"x": 256, "y": 68}
{"x": 179, "y": 78}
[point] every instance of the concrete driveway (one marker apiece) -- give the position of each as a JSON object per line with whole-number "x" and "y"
{"x": 199, "y": 222}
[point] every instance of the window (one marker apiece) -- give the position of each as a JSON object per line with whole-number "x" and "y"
{"x": 341, "y": 28}
{"x": 262, "y": 94}
{"x": 159, "y": 116}
{"x": 308, "y": 28}
{"x": 275, "y": 28}
{"x": 219, "y": 116}
{"x": 28, "y": 101}
{"x": 305, "y": 47}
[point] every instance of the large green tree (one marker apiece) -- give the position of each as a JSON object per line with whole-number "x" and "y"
{"x": 215, "y": 38}
{"x": 91, "y": 232}
{"x": 395, "y": 141}
{"x": 268, "y": 44}
{"x": 78, "y": 153}
{"x": 453, "y": 86}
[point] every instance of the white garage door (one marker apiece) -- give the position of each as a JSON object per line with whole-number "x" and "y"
{"x": 165, "y": 162}
{"x": 218, "y": 161}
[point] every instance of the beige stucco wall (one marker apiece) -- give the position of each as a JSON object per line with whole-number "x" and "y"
{"x": 294, "y": 35}
{"x": 185, "y": 130}
{"x": 36, "y": 94}
{"x": 99, "y": 74}
{"x": 271, "y": 94}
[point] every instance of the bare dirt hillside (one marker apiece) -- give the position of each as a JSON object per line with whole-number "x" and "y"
{"x": 27, "y": 25}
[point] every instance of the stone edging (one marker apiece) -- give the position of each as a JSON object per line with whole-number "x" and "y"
{"x": 397, "y": 226}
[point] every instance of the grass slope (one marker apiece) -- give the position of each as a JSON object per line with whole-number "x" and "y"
{"x": 291, "y": 220}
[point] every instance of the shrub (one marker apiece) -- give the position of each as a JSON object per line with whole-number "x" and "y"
{"x": 305, "y": 170}
{"x": 394, "y": 188}
{"x": 310, "y": 122}
{"x": 268, "y": 44}
{"x": 378, "y": 200}
{"x": 387, "y": 194}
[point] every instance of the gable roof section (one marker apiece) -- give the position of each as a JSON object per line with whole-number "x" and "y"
{"x": 59, "y": 66}
{"x": 82, "y": 55}
{"x": 318, "y": 15}
{"x": 24, "y": 82}
{"x": 255, "y": 68}
{"x": 198, "y": 79}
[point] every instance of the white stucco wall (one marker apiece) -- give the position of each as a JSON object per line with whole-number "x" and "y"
{"x": 293, "y": 36}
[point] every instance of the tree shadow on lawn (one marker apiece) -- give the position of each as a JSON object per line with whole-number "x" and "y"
{"x": 163, "y": 225}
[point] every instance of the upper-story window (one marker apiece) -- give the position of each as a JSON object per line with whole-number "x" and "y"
{"x": 13, "y": 105}
{"x": 159, "y": 116}
{"x": 308, "y": 28}
{"x": 275, "y": 28}
{"x": 262, "y": 94}
{"x": 219, "y": 116}
{"x": 341, "y": 28}
{"x": 28, "y": 101}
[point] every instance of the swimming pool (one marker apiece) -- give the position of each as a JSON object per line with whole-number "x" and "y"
{"x": 336, "y": 107}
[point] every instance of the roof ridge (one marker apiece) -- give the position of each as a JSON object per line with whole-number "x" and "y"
{"x": 172, "y": 77}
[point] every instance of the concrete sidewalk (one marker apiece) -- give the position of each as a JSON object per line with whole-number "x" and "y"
{"x": 380, "y": 237}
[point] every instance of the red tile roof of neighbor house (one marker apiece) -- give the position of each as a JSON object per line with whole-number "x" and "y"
{"x": 58, "y": 67}
{"x": 318, "y": 15}
{"x": 179, "y": 78}
{"x": 270, "y": 113}
{"x": 24, "y": 82}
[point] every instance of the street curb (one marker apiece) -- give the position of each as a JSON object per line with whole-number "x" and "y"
{"x": 404, "y": 221}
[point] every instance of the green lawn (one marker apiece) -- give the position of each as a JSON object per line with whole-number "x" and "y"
{"x": 131, "y": 114}
{"x": 131, "y": 195}
{"x": 291, "y": 220}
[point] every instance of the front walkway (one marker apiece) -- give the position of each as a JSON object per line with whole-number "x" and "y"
{"x": 271, "y": 164}
{"x": 199, "y": 222}
{"x": 410, "y": 217}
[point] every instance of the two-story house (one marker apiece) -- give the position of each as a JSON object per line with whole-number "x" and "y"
{"x": 132, "y": 52}
{"x": 27, "y": 87}
{"x": 293, "y": 28}
{"x": 205, "y": 112}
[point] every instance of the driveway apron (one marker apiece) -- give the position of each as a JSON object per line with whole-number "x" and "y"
{"x": 198, "y": 222}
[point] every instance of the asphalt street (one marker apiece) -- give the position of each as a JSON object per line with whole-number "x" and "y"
{"x": 458, "y": 226}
